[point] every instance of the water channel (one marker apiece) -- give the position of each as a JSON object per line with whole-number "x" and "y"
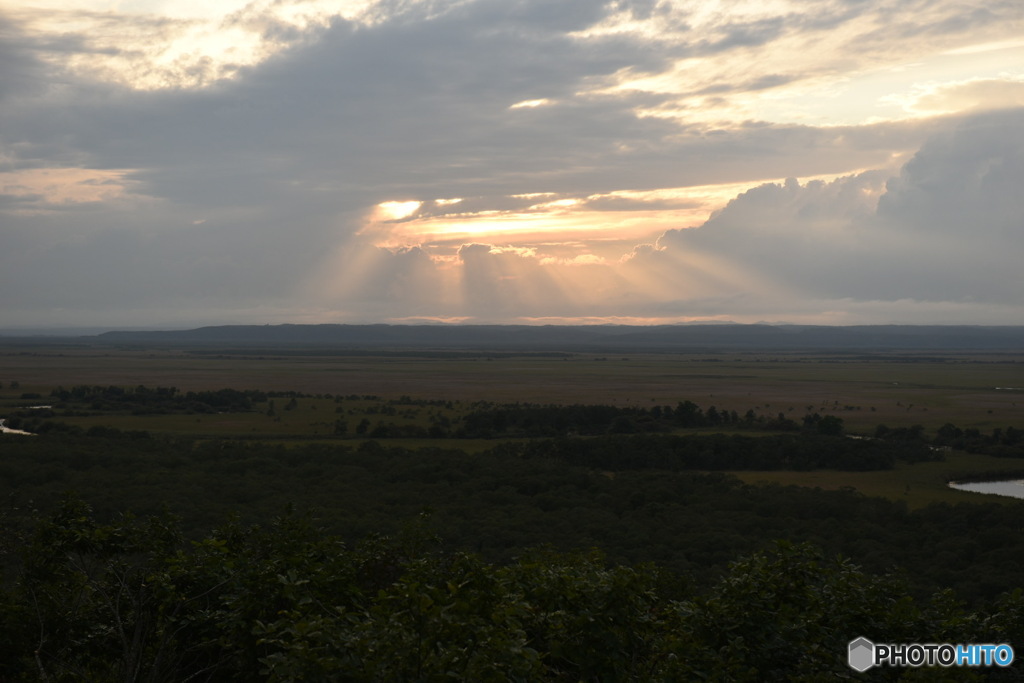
{"x": 1013, "y": 488}
{"x": 8, "y": 430}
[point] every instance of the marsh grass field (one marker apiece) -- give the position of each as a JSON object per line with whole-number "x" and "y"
{"x": 970, "y": 390}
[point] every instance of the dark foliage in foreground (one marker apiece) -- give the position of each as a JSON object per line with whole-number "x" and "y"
{"x": 131, "y": 600}
{"x": 497, "y": 503}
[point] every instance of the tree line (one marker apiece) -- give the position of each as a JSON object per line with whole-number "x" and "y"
{"x": 488, "y": 420}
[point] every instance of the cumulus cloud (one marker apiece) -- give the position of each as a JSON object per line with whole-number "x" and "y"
{"x": 947, "y": 228}
{"x": 966, "y": 177}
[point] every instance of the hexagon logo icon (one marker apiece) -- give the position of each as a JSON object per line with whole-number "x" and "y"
{"x": 862, "y": 654}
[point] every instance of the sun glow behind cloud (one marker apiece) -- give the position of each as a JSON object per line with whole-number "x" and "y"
{"x": 394, "y": 211}
{"x": 598, "y": 230}
{"x": 557, "y": 254}
{"x": 581, "y": 229}
{"x": 530, "y": 104}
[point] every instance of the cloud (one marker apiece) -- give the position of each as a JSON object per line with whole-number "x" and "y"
{"x": 344, "y": 108}
{"x": 49, "y": 188}
{"x": 965, "y": 182}
{"x": 979, "y": 94}
{"x": 869, "y": 247}
{"x": 946, "y": 229}
{"x": 374, "y": 279}
{"x": 862, "y": 248}
{"x": 187, "y": 177}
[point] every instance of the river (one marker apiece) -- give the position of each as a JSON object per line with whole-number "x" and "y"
{"x": 1013, "y": 488}
{"x": 8, "y": 430}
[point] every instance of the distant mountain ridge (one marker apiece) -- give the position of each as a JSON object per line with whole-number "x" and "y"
{"x": 589, "y": 338}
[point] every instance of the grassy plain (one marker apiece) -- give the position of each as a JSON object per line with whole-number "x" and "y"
{"x": 864, "y": 389}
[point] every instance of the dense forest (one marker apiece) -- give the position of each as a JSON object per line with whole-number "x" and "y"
{"x": 585, "y": 542}
{"x": 521, "y": 495}
{"x": 132, "y": 600}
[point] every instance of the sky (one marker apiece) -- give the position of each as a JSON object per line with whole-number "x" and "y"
{"x": 177, "y": 163}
